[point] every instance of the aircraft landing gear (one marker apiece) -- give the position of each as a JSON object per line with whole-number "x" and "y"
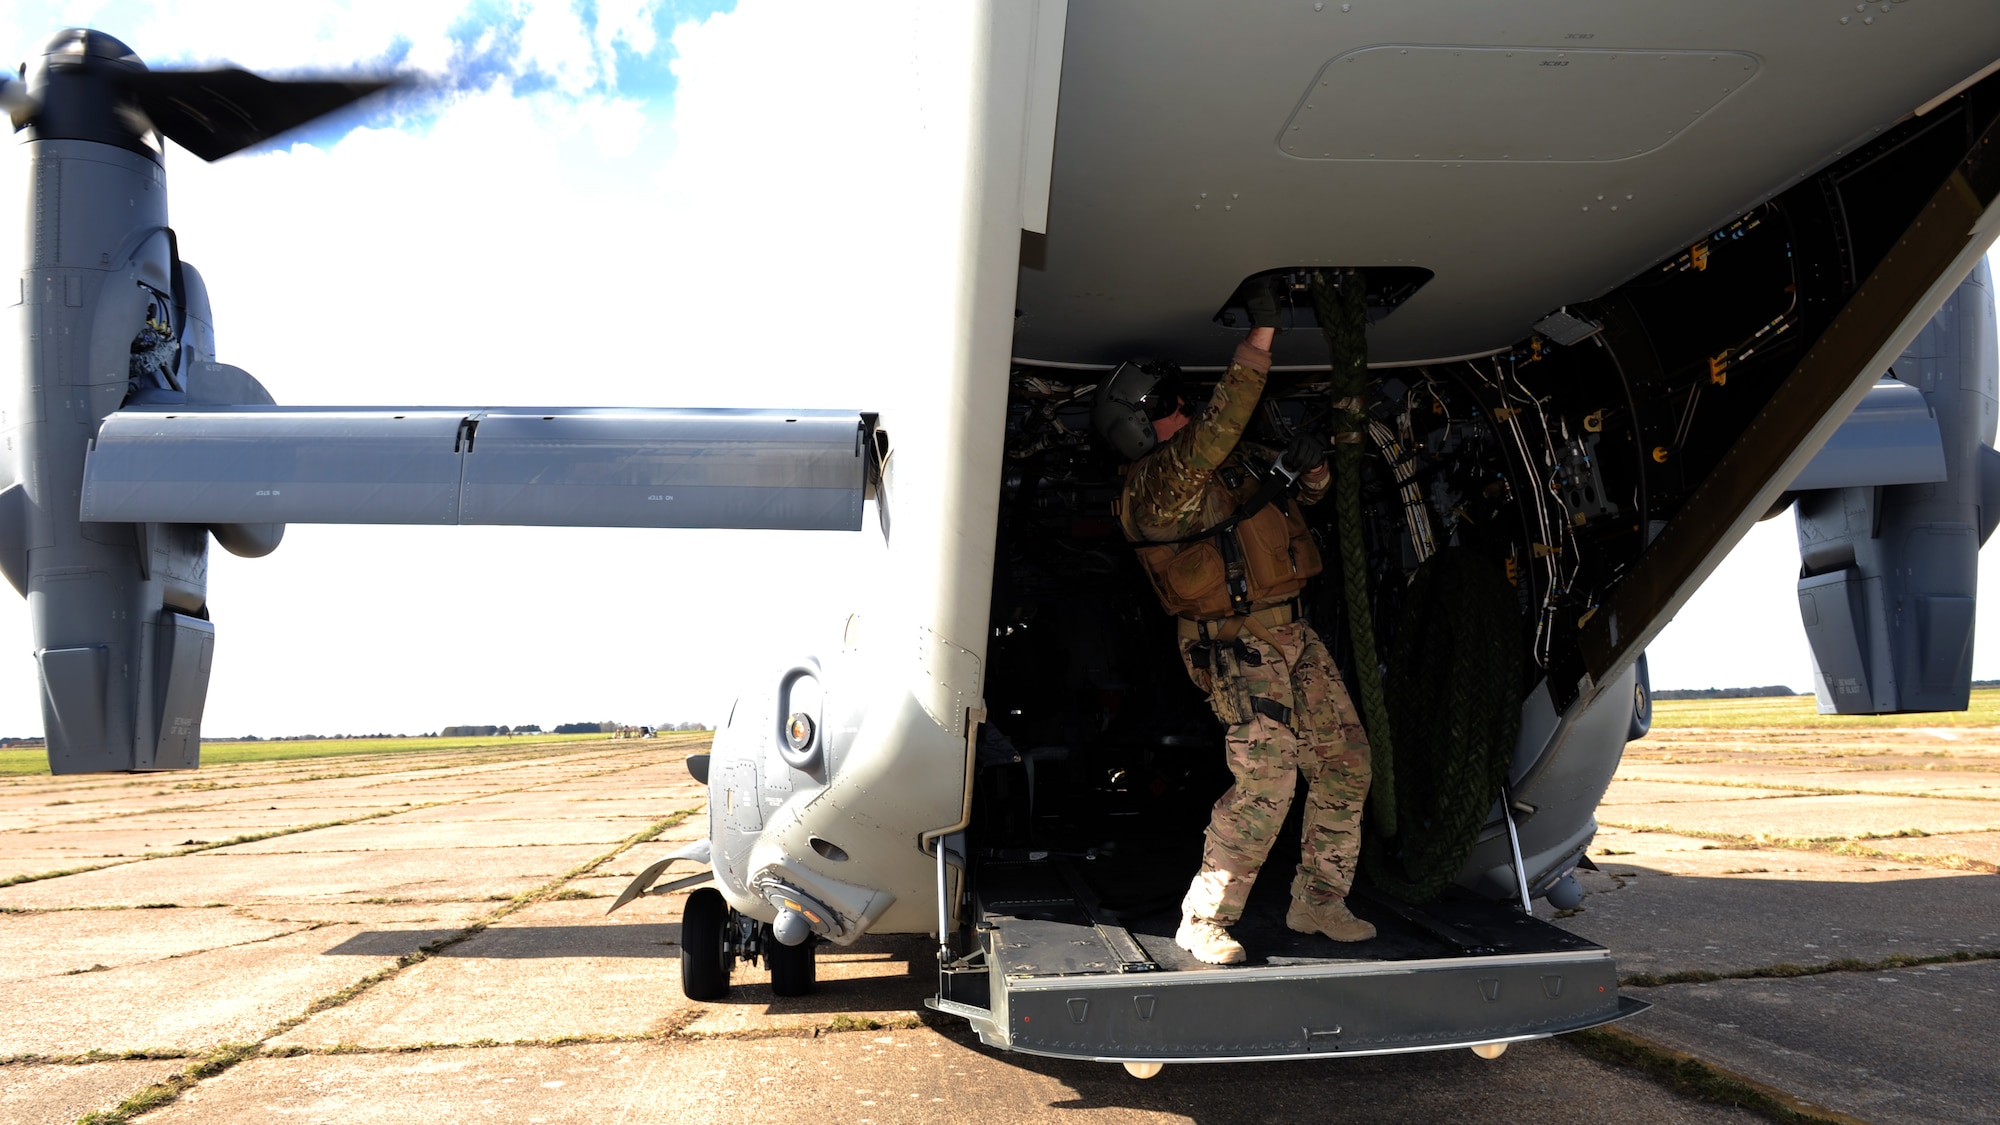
{"x": 707, "y": 954}
{"x": 793, "y": 967}
{"x": 714, "y": 937}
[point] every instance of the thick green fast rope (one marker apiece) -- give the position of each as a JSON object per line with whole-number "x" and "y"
{"x": 1341, "y": 304}
{"x": 1454, "y": 691}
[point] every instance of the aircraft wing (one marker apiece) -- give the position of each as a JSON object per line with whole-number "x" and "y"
{"x": 1891, "y": 438}
{"x": 564, "y": 467}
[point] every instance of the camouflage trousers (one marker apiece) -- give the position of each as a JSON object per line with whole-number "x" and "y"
{"x": 1319, "y": 735}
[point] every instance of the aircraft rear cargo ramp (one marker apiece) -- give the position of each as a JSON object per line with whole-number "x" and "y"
{"x": 1059, "y": 973}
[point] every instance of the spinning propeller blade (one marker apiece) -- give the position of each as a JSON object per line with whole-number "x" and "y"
{"x": 88, "y": 86}
{"x": 213, "y": 113}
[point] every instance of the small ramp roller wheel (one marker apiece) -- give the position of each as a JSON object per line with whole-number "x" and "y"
{"x": 1143, "y": 1070}
{"x": 1489, "y": 1050}
{"x": 793, "y": 971}
{"x": 705, "y": 960}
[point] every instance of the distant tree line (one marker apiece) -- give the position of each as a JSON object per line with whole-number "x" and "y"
{"x": 320, "y": 737}
{"x": 1725, "y": 692}
{"x": 483, "y": 731}
{"x": 613, "y": 727}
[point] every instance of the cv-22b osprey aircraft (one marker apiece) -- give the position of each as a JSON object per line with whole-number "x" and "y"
{"x": 1634, "y": 278}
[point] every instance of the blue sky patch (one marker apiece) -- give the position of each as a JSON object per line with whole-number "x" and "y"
{"x": 486, "y": 54}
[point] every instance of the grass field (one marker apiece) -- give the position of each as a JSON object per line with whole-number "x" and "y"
{"x": 1801, "y": 711}
{"x": 1668, "y": 714}
{"x": 32, "y": 760}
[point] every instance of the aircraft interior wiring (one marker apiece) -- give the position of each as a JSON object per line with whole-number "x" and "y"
{"x": 1549, "y": 466}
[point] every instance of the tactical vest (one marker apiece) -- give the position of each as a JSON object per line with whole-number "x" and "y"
{"x": 1257, "y": 560}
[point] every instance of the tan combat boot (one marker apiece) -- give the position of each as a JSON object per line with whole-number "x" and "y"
{"x": 1208, "y": 942}
{"x": 1331, "y": 919}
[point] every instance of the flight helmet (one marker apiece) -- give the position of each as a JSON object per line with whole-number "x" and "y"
{"x": 1130, "y": 400}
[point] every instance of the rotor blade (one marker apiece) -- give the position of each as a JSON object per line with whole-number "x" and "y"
{"x": 213, "y": 113}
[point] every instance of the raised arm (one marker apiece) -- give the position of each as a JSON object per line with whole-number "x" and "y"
{"x": 1167, "y": 487}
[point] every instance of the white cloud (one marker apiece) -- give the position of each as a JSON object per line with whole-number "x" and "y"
{"x": 549, "y": 37}
{"x": 555, "y": 40}
{"x": 764, "y": 246}
{"x": 538, "y": 250}
{"x": 630, "y": 23}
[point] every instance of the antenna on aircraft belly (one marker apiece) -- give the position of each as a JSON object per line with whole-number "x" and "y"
{"x": 88, "y": 86}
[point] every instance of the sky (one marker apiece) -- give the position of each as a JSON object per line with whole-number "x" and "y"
{"x": 584, "y": 218}
{"x": 605, "y": 202}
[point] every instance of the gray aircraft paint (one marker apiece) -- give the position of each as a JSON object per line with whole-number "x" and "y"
{"x": 1891, "y": 438}
{"x": 560, "y": 467}
{"x": 901, "y": 718}
{"x": 113, "y": 607}
{"x": 118, "y": 606}
{"x": 1890, "y": 567}
{"x": 1178, "y": 170}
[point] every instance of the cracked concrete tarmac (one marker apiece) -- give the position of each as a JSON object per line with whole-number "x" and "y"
{"x": 1886, "y": 1046}
{"x": 1869, "y": 872}
{"x": 449, "y": 957}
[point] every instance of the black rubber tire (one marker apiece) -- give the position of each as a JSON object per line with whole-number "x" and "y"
{"x": 793, "y": 971}
{"x": 704, "y": 965}
{"x": 1642, "y": 704}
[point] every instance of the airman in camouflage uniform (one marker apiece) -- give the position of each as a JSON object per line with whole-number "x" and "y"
{"x": 1303, "y": 720}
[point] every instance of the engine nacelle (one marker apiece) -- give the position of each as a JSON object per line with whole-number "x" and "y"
{"x": 110, "y": 316}
{"x": 1890, "y": 570}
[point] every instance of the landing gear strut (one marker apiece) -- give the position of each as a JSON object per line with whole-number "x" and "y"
{"x": 714, "y": 936}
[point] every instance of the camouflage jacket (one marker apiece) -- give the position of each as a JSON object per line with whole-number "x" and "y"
{"x": 1180, "y": 488}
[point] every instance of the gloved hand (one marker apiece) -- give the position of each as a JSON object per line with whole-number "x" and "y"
{"x": 1260, "y": 300}
{"x": 1306, "y": 453}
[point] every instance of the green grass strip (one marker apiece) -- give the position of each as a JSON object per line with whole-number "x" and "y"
{"x": 431, "y": 949}
{"x": 1691, "y": 1077}
{"x": 169, "y": 1090}
{"x": 248, "y": 838}
{"x": 29, "y": 761}
{"x": 166, "y": 1092}
{"x": 1802, "y": 712}
{"x": 1784, "y": 970}
{"x": 251, "y": 838}
{"x": 38, "y": 876}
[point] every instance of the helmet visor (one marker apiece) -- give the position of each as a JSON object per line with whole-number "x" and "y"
{"x": 1165, "y": 398}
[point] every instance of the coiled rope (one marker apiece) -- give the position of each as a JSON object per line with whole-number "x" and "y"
{"x": 1341, "y": 304}
{"x": 1454, "y": 694}
{"x": 1454, "y": 672}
